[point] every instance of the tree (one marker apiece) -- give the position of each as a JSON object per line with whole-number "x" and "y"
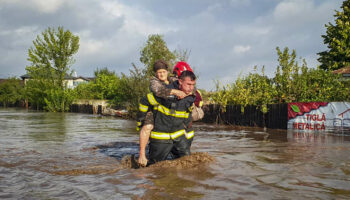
{"x": 133, "y": 88}
{"x": 11, "y": 91}
{"x": 104, "y": 71}
{"x": 51, "y": 58}
{"x": 337, "y": 39}
{"x": 155, "y": 49}
{"x": 285, "y": 74}
{"x": 106, "y": 84}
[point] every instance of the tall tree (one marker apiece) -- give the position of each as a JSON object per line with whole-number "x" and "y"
{"x": 51, "y": 56}
{"x": 50, "y": 60}
{"x": 337, "y": 39}
{"x": 155, "y": 49}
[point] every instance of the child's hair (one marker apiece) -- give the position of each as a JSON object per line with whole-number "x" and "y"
{"x": 160, "y": 64}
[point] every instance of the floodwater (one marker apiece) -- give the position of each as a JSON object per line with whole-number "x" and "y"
{"x": 81, "y": 156}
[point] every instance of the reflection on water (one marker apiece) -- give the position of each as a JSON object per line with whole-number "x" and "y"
{"x": 79, "y": 156}
{"x": 48, "y": 127}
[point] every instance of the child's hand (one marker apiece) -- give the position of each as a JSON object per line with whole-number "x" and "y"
{"x": 180, "y": 94}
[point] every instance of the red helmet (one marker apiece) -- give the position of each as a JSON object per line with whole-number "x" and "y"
{"x": 181, "y": 67}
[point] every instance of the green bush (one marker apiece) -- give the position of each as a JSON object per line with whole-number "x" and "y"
{"x": 43, "y": 94}
{"x": 58, "y": 100}
{"x": 123, "y": 91}
{"x": 11, "y": 91}
{"x": 292, "y": 83}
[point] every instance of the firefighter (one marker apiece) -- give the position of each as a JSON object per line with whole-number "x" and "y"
{"x": 172, "y": 120}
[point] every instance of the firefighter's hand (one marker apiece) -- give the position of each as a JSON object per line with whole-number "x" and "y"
{"x": 142, "y": 161}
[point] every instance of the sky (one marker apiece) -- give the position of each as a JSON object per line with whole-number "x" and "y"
{"x": 225, "y": 38}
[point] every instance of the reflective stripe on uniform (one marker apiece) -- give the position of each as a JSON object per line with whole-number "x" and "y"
{"x": 190, "y": 135}
{"x": 201, "y": 102}
{"x": 167, "y": 136}
{"x": 151, "y": 99}
{"x": 174, "y": 113}
{"x": 143, "y": 108}
{"x": 138, "y": 126}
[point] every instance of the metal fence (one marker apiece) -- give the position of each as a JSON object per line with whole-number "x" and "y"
{"x": 276, "y": 117}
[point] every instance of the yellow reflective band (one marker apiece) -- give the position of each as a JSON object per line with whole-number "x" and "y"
{"x": 191, "y": 108}
{"x": 190, "y": 135}
{"x": 166, "y": 136}
{"x": 143, "y": 108}
{"x": 160, "y": 136}
{"x": 151, "y": 99}
{"x": 177, "y": 134}
{"x": 167, "y": 111}
{"x": 200, "y": 103}
{"x": 138, "y": 123}
{"x": 137, "y": 129}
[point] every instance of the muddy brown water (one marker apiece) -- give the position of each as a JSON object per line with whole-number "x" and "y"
{"x": 80, "y": 156}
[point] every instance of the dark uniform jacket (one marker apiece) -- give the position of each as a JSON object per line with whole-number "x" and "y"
{"x": 172, "y": 117}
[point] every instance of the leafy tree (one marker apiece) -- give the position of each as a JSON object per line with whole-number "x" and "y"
{"x": 321, "y": 85}
{"x": 34, "y": 92}
{"x": 11, "y": 91}
{"x": 104, "y": 71}
{"x": 51, "y": 58}
{"x": 285, "y": 74}
{"x": 106, "y": 84}
{"x": 85, "y": 91}
{"x": 155, "y": 49}
{"x": 133, "y": 88}
{"x": 261, "y": 89}
{"x": 337, "y": 39}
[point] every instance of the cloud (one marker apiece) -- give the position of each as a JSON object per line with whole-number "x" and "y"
{"x": 240, "y": 2}
{"x": 225, "y": 38}
{"x": 241, "y": 48}
{"x": 41, "y": 6}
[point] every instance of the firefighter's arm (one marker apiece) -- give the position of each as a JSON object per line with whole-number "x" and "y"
{"x": 144, "y": 137}
{"x": 144, "y": 107}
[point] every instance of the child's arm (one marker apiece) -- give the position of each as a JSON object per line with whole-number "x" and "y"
{"x": 159, "y": 89}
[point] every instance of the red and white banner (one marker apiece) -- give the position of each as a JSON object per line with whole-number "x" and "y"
{"x": 319, "y": 116}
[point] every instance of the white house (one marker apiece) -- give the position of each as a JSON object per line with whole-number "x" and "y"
{"x": 71, "y": 81}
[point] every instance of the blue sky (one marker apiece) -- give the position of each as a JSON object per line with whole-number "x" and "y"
{"x": 226, "y": 38}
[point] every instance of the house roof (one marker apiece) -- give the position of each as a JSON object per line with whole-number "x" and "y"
{"x": 84, "y": 78}
{"x": 65, "y": 77}
{"x": 344, "y": 70}
{"x": 25, "y": 76}
{"x": 4, "y": 80}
